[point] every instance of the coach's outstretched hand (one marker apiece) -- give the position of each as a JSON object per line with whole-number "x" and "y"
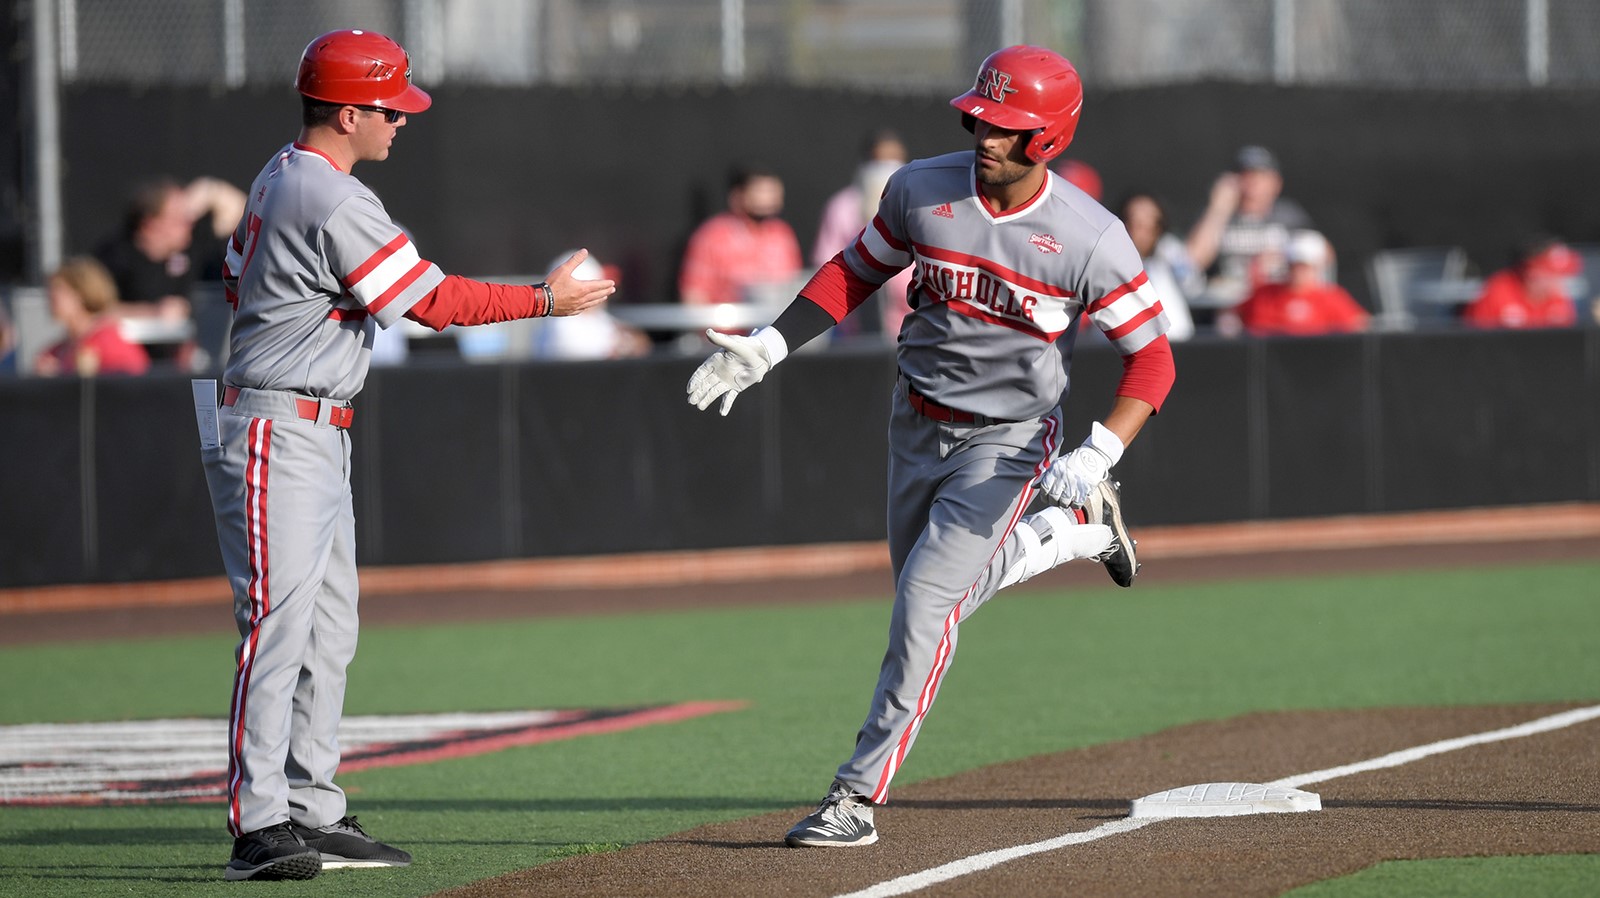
{"x": 739, "y": 365}
{"x": 572, "y": 296}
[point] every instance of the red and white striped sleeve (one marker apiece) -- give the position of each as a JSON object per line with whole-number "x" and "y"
{"x": 375, "y": 261}
{"x": 1117, "y": 294}
{"x": 1120, "y": 301}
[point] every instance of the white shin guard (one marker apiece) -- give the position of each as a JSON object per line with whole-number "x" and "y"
{"x": 1052, "y": 537}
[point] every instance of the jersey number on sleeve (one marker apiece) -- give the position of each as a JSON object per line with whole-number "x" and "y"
{"x": 252, "y": 233}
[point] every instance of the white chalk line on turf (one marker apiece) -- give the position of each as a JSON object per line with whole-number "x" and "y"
{"x": 978, "y": 862}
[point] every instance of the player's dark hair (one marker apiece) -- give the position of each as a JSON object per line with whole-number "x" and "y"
{"x": 317, "y": 112}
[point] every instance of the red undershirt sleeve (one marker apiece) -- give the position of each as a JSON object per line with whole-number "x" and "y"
{"x": 1148, "y": 374}
{"x": 464, "y": 301}
{"x": 837, "y": 289}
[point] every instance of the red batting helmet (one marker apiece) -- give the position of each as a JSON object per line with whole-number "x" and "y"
{"x": 359, "y": 68}
{"x": 1028, "y": 89}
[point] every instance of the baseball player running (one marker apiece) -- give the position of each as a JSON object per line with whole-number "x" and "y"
{"x": 314, "y": 267}
{"x": 1007, "y": 258}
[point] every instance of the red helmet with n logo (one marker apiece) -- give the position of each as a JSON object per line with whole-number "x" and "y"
{"x": 1028, "y": 89}
{"x": 359, "y": 68}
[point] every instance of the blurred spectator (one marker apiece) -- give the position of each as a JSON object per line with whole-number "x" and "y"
{"x": 8, "y": 342}
{"x": 1531, "y": 293}
{"x": 170, "y": 230}
{"x": 1305, "y": 304}
{"x": 1082, "y": 176}
{"x": 1239, "y": 238}
{"x": 746, "y": 245}
{"x": 83, "y": 298}
{"x": 849, "y": 211}
{"x": 593, "y": 334}
{"x": 1173, "y": 275}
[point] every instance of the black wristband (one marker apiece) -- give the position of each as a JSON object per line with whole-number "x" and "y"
{"x": 549, "y": 299}
{"x": 802, "y": 321}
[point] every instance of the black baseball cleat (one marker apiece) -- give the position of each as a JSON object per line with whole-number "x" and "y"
{"x": 344, "y": 843}
{"x": 842, "y": 820}
{"x": 1104, "y": 506}
{"x": 276, "y": 852}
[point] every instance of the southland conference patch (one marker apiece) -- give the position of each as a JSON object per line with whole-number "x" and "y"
{"x": 184, "y": 760}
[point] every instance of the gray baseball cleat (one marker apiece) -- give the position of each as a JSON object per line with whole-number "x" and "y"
{"x": 1104, "y": 506}
{"x": 275, "y": 852}
{"x": 842, "y": 820}
{"x": 344, "y": 843}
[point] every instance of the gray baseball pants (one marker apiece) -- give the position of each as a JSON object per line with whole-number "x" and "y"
{"x": 280, "y": 490}
{"x": 955, "y": 494}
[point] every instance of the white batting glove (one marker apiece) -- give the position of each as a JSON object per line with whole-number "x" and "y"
{"x": 1069, "y": 478}
{"x": 739, "y": 365}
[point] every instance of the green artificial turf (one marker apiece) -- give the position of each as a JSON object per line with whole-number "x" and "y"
{"x": 1555, "y": 876}
{"x": 1035, "y": 672}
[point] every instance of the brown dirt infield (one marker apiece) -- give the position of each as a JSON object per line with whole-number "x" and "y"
{"x": 1536, "y": 795}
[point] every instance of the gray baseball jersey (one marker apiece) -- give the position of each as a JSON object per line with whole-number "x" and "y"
{"x": 314, "y": 266}
{"x": 996, "y": 301}
{"x": 993, "y": 294}
{"x": 316, "y": 261}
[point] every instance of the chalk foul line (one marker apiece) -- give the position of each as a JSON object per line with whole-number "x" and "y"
{"x": 912, "y": 882}
{"x": 1406, "y": 756}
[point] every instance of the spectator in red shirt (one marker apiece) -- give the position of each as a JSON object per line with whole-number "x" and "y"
{"x": 83, "y": 298}
{"x": 1531, "y": 293}
{"x": 1305, "y": 304}
{"x": 745, "y": 246}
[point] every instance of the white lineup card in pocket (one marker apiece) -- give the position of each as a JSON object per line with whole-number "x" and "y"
{"x": 205, "y": 412}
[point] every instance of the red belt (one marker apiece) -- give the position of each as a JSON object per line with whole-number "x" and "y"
{"x": 929, "y": 409}
{"x": 339, "y": 416}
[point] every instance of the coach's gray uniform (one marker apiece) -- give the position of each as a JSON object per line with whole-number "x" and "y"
{"x": 997, "y": 301}
{"x": 314, "y": 266}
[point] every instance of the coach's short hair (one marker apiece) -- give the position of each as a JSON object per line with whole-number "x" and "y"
{"x": 317, "y": 112}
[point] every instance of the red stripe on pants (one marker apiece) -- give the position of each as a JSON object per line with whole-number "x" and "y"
{"x": 257, "y": 453}
{"x": 941, "y": 660}
{"x": 942, "y": 655}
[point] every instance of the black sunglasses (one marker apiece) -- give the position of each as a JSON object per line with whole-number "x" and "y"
{"x": 389, "y": 115}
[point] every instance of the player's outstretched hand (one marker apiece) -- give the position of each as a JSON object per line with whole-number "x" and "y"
{"x": 739, "y": 365}
{"x": 573, "y": 296}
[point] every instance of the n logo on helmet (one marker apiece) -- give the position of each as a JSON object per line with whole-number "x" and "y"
{"x": 381, "y": 70}
{"x": 994, "y": 84}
